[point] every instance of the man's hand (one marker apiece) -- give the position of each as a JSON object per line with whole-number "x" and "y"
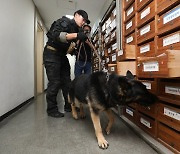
{"x": 82, "y": 36}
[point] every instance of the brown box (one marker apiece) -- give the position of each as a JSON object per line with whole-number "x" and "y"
{"x": 147, "y": 124}
{"x": 164, "y": 5}
{"x": 146, "y": 50}
{"x": 142, "y": 3}
{"x": 130, "y": 39}
{"x": 169, "y": 20}
{"x": 130, "y": 113}
{"x": 169, "y": 116}
{"x": 128, "y": 53}
{"x": 146, "y": 32}
{"x": 146, "y": 14}
{"x": 169, "y": 42}
{"x": 169, "y": 137}
{"x": 127, "y": 3}
{"x": 163, "y": 65}
{"x": 130, "y": 12}
{"x": 169, "y": 90}
{"x": 123, "y": 67}
{"x": 129, "y": 26}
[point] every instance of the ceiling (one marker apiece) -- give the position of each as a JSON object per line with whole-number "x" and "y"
{"x": 51, "y": 10}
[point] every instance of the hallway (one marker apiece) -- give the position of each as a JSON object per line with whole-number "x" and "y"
{"x": 31, "y": 131}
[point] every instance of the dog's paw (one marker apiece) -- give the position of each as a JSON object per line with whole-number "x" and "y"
{"x": 108, "y": 131}
{"x": 75, "y": 116}
{"x": 103, "y": 144}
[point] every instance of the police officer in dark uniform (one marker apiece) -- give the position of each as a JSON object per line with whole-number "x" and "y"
{"x": 61, "y": 34}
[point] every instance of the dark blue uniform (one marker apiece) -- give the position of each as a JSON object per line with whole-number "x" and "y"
{"x": 56, "y": 63}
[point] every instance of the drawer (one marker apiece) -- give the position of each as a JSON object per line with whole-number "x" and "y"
{"x": 112, "y": 68}
{"x": 169, "y": 20}
{"x": 146, "y": 14}
{"x": 123, "y": 67}
{"x": 147, "y": 124}
{"x": 163, "y": 65}
{"x": 168, "y": 136}
{"x": 130, "y": 39}
{"x": 169, "y": 116}
{"x": 169, "y": 90}
{"x": 133, "y": 105}
{"x": 166, "y": 5}
{"x": 114, "y": 47}
{"x": 130, "y": 12}
{"x": 130, "y": 26}
{"x": 150, "y": 110}
{"x": 113, "y": 35}
{"x": 130, "y": 113}
{"x": 169, "y": 42}
{"x": 113, "y": 58}
{"x": 151, "y": 85}
{"x": 142, "y": 3}
{"x": 147, "y": 50}
{"x": 128, "y": 53}
{"x": 145, "y": 33}
{"x": 127, "y": 3}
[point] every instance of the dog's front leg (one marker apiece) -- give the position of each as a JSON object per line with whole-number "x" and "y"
{"x": 111, "y": 120}
{"x": 74, "y": 112}
{"x": 98, "y": 130}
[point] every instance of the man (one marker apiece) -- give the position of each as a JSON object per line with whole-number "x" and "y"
{"x": 61, "y": 34}
{"x": 83, "y": 54}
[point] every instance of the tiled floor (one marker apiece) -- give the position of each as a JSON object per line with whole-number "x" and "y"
{"x": 31, "y": 131}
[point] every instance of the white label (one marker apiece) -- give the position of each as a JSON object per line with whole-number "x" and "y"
{"x": 129, "y": 112}
{"x": 171, "y": 113}
{"x": 130, "y": 11}
{"x": 114, "y": 12}
{"x": 113, "y": 24}
{"x": 145, "y": 12}
{"x": 151, "y": 67}
{"x": 145, "y": 30}
{"x": 109, "y": 50}
{"x": 113, "y": 35}
{"x": 147, "y": 84}
{"x": 112, "y": 69}
{"x": 114, "y": 46}
{"x": 145, "y": 122}
{"x": 145, "y": 48}
{"x": 172, "y": 90}
{"x": 120, "y": 52}
{"x": 103, "y": 53}
{"x": 113, "y": 57}
{"x": 129, "y": 39}
{"x": 103, "y": 27}
{"x": 129, "y": 25}
{"x": 140, "y": 0}
{"x": 107, "y": 60}
{"x": 171, "y": 15}
{"x": 171, "y": 39}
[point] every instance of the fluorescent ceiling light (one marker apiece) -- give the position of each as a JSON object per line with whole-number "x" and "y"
{"x": 70, "y": 16}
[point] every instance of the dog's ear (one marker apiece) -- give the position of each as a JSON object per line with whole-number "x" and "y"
{"x": 129, "y": 75}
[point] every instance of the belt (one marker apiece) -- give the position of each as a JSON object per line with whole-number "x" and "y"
{"x": 51, "y": 48}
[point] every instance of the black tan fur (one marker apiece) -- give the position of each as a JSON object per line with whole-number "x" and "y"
{"x": 101, "y": 93}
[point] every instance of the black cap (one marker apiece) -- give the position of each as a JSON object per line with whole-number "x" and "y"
{"x": 84, "y": 15}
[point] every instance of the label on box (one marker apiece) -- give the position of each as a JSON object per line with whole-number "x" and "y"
{"x": 113, "y": 35}
{"x": 145, "y": 30}
{"x": 114, "y": 12}
{"x": 120, "y": 52}
{"x": 109, "y": 50}
{"x": 171, "y": 113}
{"x": 172, "y": 90}
{"x": 171, "y": 39}
{"x": 113, "y": 57}
{"x": 151, "y": 67}
{"x": 129, "y": 25}
{"x": 112, "y": 69}
{"x": 145, "y": 122}
{"x": 107, "y": 60}
{"x": 129, "y": 112}
{"x": 129, "y": 39}
{"x": 147, "y": 84}
{"x": 103, "y": 53}
{"x": 130, "y": 11}
{"x": 114, "y": 46}
{"x": 113, "y": 24}
{"x": 145, "y": 48}
{"x": 145, "y": 12}
{"x": 171, "y": 15}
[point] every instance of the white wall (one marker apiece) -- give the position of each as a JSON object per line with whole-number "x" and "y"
{"x": 16, "y": 53}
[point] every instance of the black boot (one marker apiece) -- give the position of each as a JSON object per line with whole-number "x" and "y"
{"x": 56, "y": 114}
{"x": 67, "y": 107}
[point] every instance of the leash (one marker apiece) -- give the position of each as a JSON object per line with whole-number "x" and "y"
{"x": 82, "y": 44}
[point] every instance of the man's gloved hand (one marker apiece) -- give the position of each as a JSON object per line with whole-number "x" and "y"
{"x": 82, "y": 36}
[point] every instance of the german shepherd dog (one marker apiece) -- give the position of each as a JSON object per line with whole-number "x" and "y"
{"x": 101, "y": 93}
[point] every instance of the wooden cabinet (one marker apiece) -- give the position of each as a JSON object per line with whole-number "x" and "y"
{"x": 130, "y": 12}
{"x": 142, "y": 3}
{"x": 130, "y": 26}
